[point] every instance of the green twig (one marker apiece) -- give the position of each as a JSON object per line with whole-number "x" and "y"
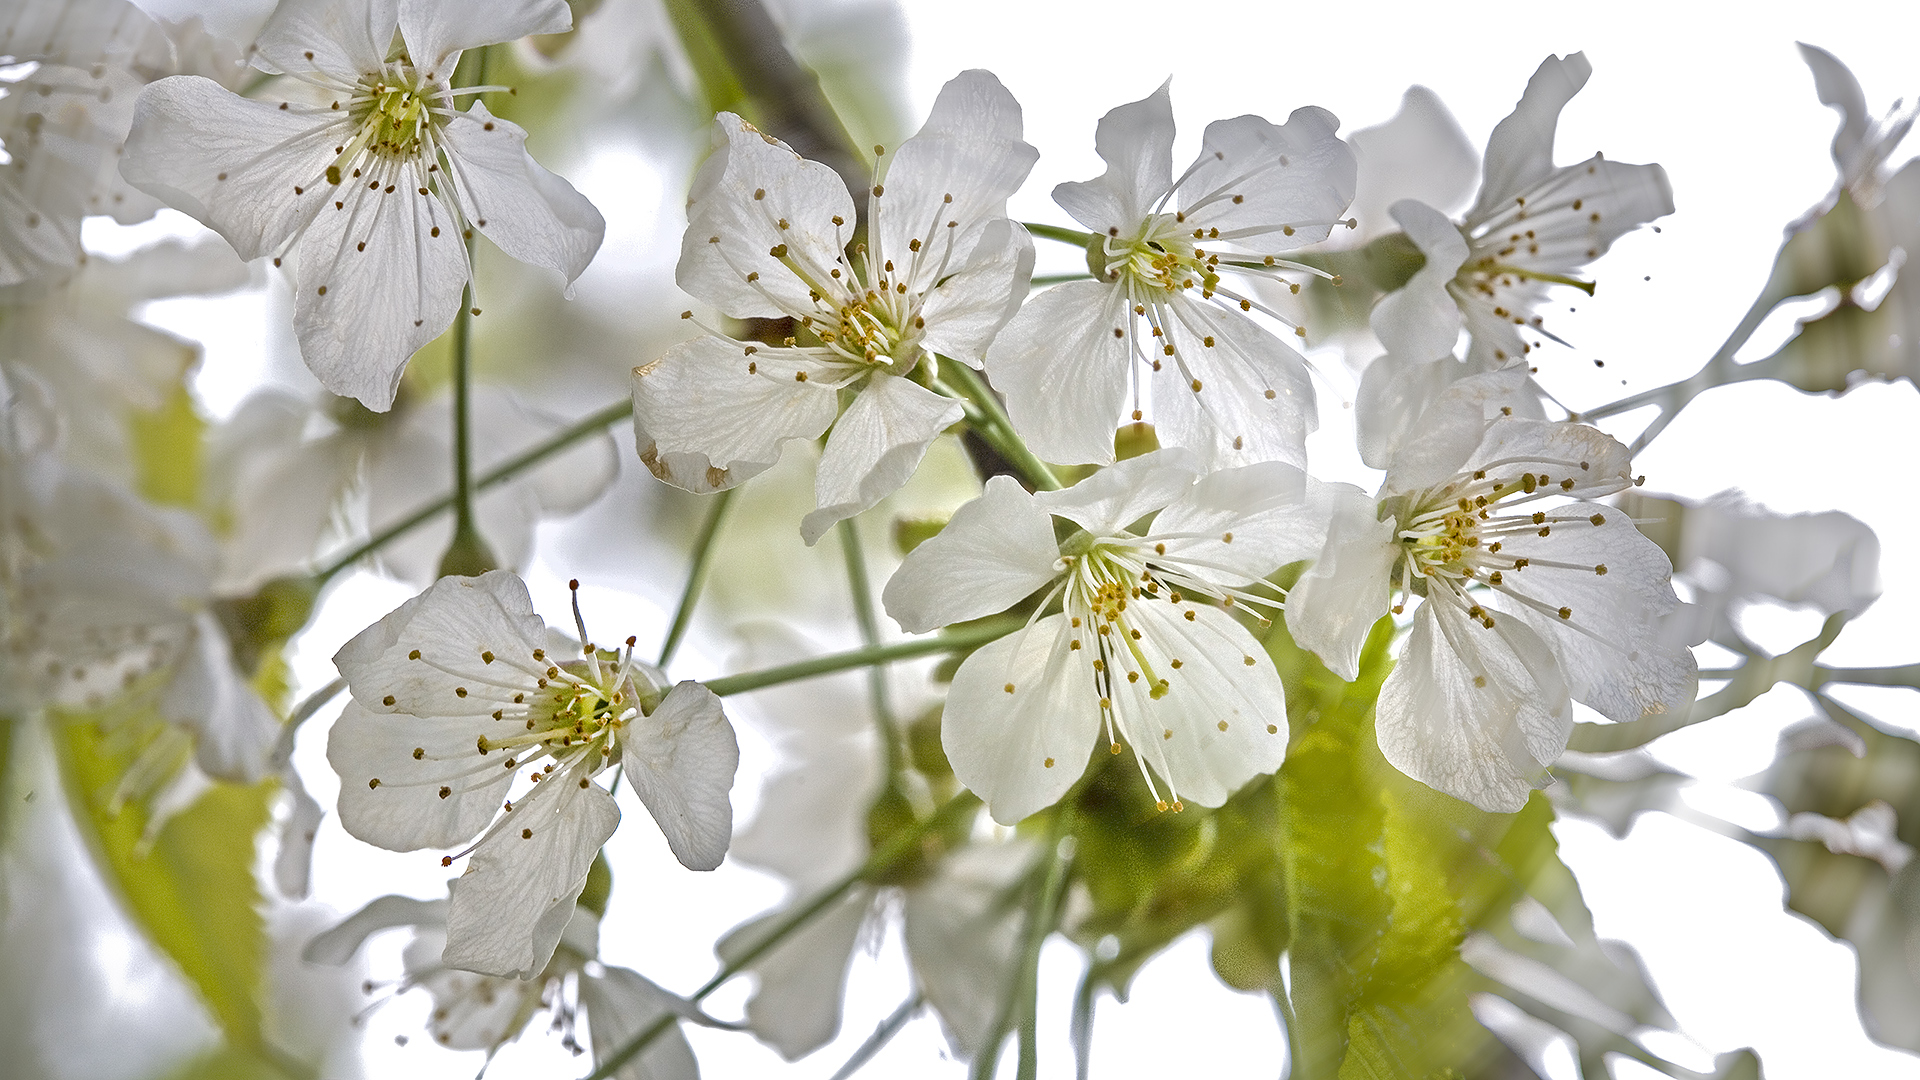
{"x": 997, "y": 428}
{"x": 703, "y": 547}
{"x": 968, "y": 637}
{"x": 499, "y": 474}
{"x": 882, "y": 1035}
{"x": 1055, "y": 232}
{"x": 862, "y": 589}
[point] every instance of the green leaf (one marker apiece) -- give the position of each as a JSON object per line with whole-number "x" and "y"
{"x": 191, "y": 889}
{"x": 167, "y": 450}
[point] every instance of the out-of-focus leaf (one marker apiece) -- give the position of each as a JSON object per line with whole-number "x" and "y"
{"x": 1843, "y": 246}
{"x": 167, "y": 450}
{"x": 192, "y": 890}
{"x": 234, "y": 1063}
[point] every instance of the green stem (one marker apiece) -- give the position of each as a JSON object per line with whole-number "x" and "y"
{"x": 467, "y": 553}
{"x": 1055, "y": 279}
{"x": 703, "y": 547}
{"x": 997, "y": 428}
{"x": 876, "y": 863}
{"x": 967, "y": 637}
{"x": 1021, "y": 996}
{"x": 1045, "y": 921}
{"x": 1284, "y": 1004}
{"x": 1907, "y": 675}
{"x": 499, "y": 474}
{"x": 1055, "y": 232}
{"x": 882, "y": 1035}
{"x": 862, "y": 589}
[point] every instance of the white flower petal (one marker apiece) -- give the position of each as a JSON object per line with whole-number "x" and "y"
{"x": 1472, "y": 712}
{"x": 451, "y": 627}
{"x": 531, "y": 214}
{"x": 1136, "y": 142}
{"x": 338, "y": 944}
{"x": 404, "y": 811}
{"x": 1285, "y": 184}
{"x": 1610, "y": 647}
{"x": 1332, "y": 608}
{"x": 1394, "y": 391}
{"x": 703, "y": 422}
{"x": 380, "y": 275}
{"x": 506, "y": 914}
{"x": 969, "y": 151}
{"x": 1274, "y": 514}
{"x": 1520, "y": 150}
{"x": 963, "y": 937}
{"x": 969, "y": 307}
{"x": 234, "y": 731}
{"x": 1020, "y": 749}
{"x": 1064, "y": 373}
{"x": 1121, "y": 494}
{"x": 620, "y": 1005}
{"x": 995, "y": 551}
{"x": 740, "y": 195}
{"x": 1453, "y": 428}
{"x": 231, "y": 163}
{"x": 437, "y": 30}
{"x": 328, "y": 37}
{"x": 1420, "y": 320}
{"x": 1419, "y": 154}
{"x": 1222, "y": 717}
{"x": 681, "y": 759}
{"x": 796, "y": 1007}
{"x": 1255, "y": 399}
{"x": 1582, "y": 461}
{"x": 875, "y": 447}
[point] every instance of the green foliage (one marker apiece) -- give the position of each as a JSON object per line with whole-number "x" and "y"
{"x": 190, "y": 887}
{"x": 167, "y": 450}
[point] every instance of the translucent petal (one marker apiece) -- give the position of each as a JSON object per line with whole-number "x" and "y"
{"x": 429, "y": 650}
{"x": 1247, "y": 397}
{"x": 405, "y": 811}
{"x": 1120, "y": 494}
{"x": 342, "y": 38}
{"x": 1276, "y": 187}
{"x": 1420, "y": 320}
{"x": 704, "y": 422}
{"x": 1136, "y": 142}
{"x": 681, "y": 758}
{"x": 1063, "y": 371}
{"x": 532, "y": 215}
{"x": 1332, "y": 607}
{"x": 437, "y": 30}
{"x": 995, "y": 551}
{"x": 620, "y": 1005}
{"x": 1021, "y": 749}
{"x": 875, "y": 447}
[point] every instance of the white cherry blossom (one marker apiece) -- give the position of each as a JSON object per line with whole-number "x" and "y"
{"x": 485, "y": 1012}
{"x": 367, "y": 188}
{"x": 768, "y": 231}
{"x": 1534, "y": 594}
{"x": 460, "y": 690}
{"x": 1533, "y": 226}
{"x": 1222, "y": 384}
{"x": 1138, "y": 649}
{"x": 287, "y": 468}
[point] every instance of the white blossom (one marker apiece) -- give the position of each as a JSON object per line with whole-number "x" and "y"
{"x": 1534, "y": 594}
{"x": 371, "y": 187}
{"x": 455, "y": 694}
{"x": 292, "y": 473}
{"x": 810, "y": 830}
{"x": 1861, "y": 144}
{"x": 485, "y": 1012}
{"x": 767, "y": 236}
{"x": 1533, "y": 226}
{"x": 1222, "y": 384}
{"x": 1138, "y": 649}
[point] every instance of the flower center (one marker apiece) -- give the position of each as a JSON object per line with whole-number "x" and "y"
{"x": 1161, "y": 257}
{"x": 394, "y": 111}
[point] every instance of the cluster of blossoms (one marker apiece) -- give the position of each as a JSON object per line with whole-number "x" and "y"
{"x": 1146, "y": 537}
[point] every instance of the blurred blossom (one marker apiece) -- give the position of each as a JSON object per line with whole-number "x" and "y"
{"x": 276, "y": 179}
{"x": 109, "y": 596}
{"x": 93, "y": 362}
{"x": 1222, "y": 385}
{"x": 66, "y": 114}
{"x": 1524, "y": 608}
{"x": 485, "y": 1012}
{"x": 767, "y": 237}
{"x": 1731, "y": 553}
{"x": 960, "y": 924}
{"x": 462, "y": 671}
{"x": 1419, "y": 154}
{"x": 1137, "y": 649}
{"x": 1863, "y": 142}
{"x": 292, "y": 472}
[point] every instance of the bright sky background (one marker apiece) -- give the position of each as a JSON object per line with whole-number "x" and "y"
{"x": 1715, "y": 93}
